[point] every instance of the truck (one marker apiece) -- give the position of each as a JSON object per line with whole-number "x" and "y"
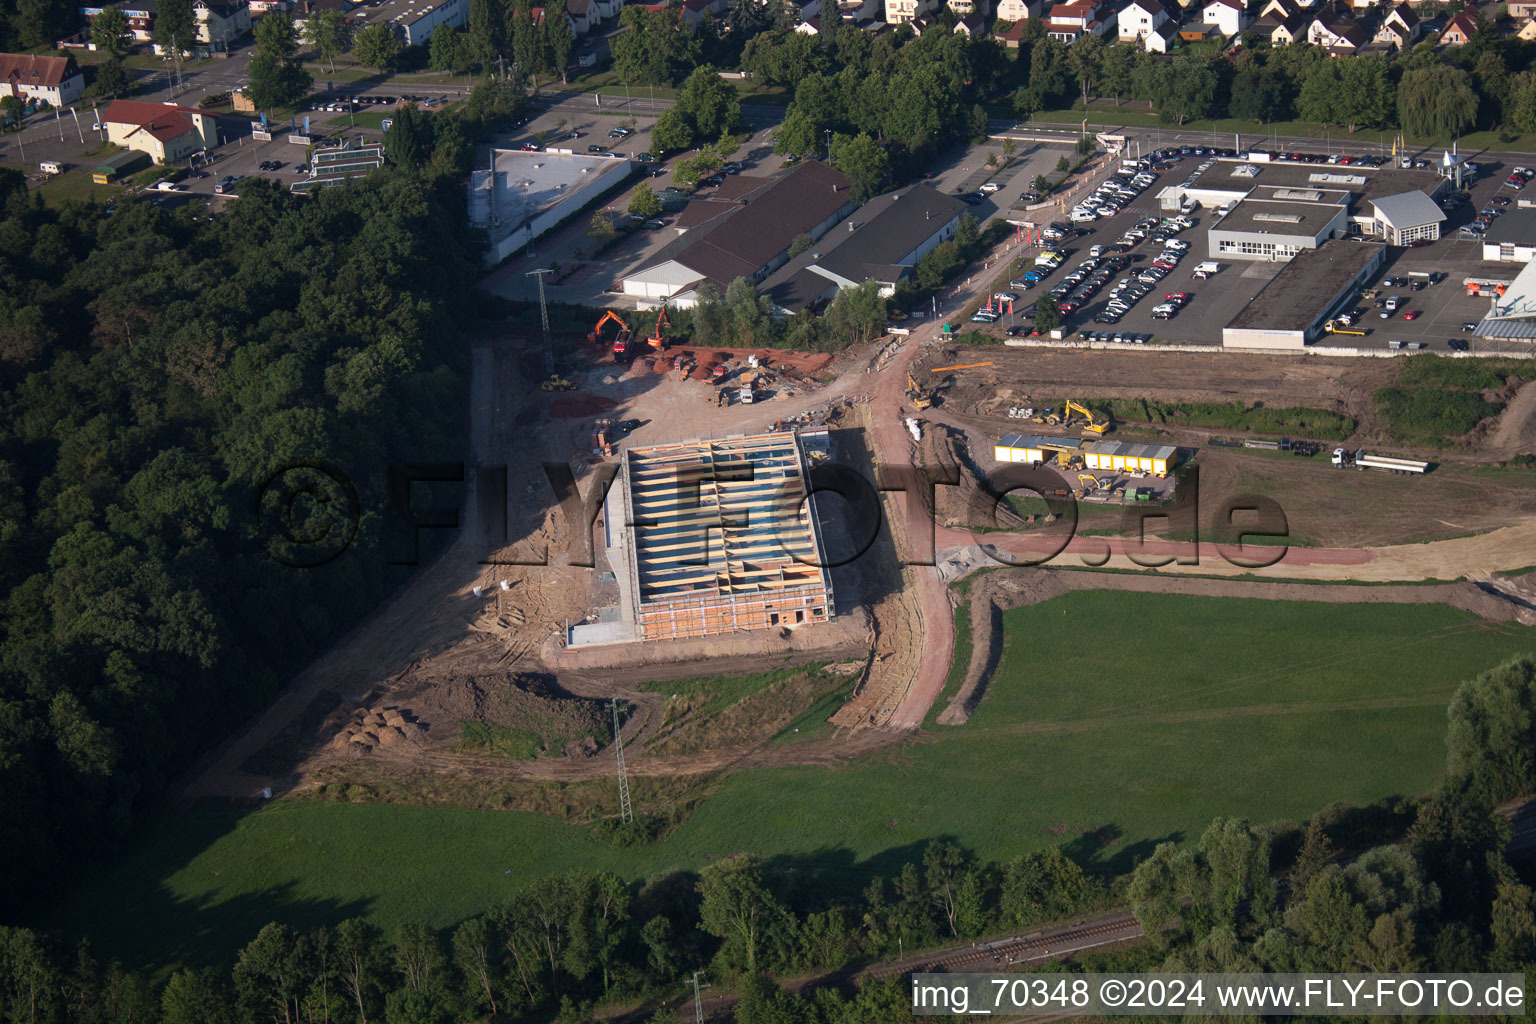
{"x": 1206, "y": 269}
{"x": 1361, "y": 459}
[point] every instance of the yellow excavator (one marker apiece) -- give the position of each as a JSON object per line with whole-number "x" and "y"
{"x": 916, "y": 395}
{"x": 1091, "y": 482}
{"x": 1096, "y": 426}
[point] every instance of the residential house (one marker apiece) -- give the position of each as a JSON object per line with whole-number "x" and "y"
{"x": 167, "y": 132}
{"x": 809, "y": 27}
{"x": 1230, "y": 17}
{"x": 966, "y": 8}
{"x": 972, "y": 25}
{"x": 1460, "y": 30}
{"x": 1013, "y": 35}
{"x": 1399, "y": 29}
{"x": 1015, "y": 10}
{"x": 303, "y": 10}
{"x": 1521, "y": 10}
{"x": 694, "y": 10}
{"x": 1337, "y": 32}
{"x": 1137, "y": 19}
{"x": 55, "y": 80}
{"x": 1279, "y": 10}
{"x": 1162, "y": 39}
{"x": 1527, "y": 31}
{"x": 1070, "y": 21}
{"x": 580, "y": 12}
{"x": 904, "y": 12}
{"x": 219, "y": 23}
{"x": 1288, "y": 31}
{"x": 270, "y": 6}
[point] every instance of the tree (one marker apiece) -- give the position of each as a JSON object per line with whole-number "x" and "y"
{"x": 1437, "y": 100}
{"x": 1316, "y": 853}
{"x": 736, "y": 907}
{"x": 359, "y": 952}
{"x": 447, "y": 50}
{"x": 1047, "y": 316}
{"x": 600, "y": 228}
{"x": 797, "y": 135}
{"x": 691, "y": 170}
{"x": 1256, "y": 96}
{"x": 109, "y": 31}
{"x": 1117, "y": 66}
{"x": 488, "y": 23}
{"x": 476, "y": 953}
{"x": 408, "y": 142}
{"x": 857, "y": 314}
{"x": 275, "y": 35}
{"x": 645, "y": 203}
{"x": 1491, "y": 738}
{"x": 1049, "y": 76}
{"x": 671, "y": 132}
{"x": 1182, "y": 90}
{"x": 709, "y": 103}
{"x": 13, "y": 107}
{"x": 175, "y": 26}
{"x": 863, "y": 162}
{"x": 329, "y": 33}
{"x": 559, "y": 37}
{"x": 40, "y": 23}
{"x": 1086, "y": 61}
{"x": 1041, "y": 886}
{"x": 376, "y": 46}
{"x": 196, "y": 997}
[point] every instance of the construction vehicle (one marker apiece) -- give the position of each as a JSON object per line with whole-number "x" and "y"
{"x": 718, "y": 373}
{"x": 621, "y": 341}
{"x": 1091, "y": 482}
{"x": 916, "y": 395}
{"x": 556, "y": 383}
{"x": 658, "y": 338}
{"x": 1361, "y": 459}
{"x": 1096, "y": 426}
{"x": 1340, "y": 325}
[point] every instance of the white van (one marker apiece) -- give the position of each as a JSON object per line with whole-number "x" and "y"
{"x": 1206, "y": 269}
{"x": 1082, "y": 216}
{"x": 51, "y": 167}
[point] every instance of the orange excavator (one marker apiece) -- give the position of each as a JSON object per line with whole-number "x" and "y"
{"x": 621, "y": 341}
{"x": 658, "y": 338}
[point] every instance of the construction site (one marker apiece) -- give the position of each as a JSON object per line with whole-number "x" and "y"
{"x": 711, "y": 556}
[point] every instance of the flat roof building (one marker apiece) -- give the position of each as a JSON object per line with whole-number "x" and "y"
{"x": 1291, "y": 309}
{"x": 1512, "y": 316}
{"x": 724, "y": 538}
{"x": 1278, "y": 223}
{"x": 526, "y": 194}
{"x": 1511, "y": 238}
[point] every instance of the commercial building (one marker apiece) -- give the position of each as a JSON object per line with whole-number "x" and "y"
{"x": 748, "y": 238}
{"x": 165, "y": 132}
{"x": 1106, "y": 456}
{"x": 880, "y": 241}
{"x": 1511, "y": 238}
{"x": 724, "y": 537}
{"x": 1277, "y": 223}
{"x": 54, "y": 80}
{"x": 340, "y": 165}
{"x": 1291, "y": 309}
{"x": 1512, "y": 316}
{"x": 524, "y": 194}
{"x": 1406, "y": 217}
{"x": 414, "y": 21}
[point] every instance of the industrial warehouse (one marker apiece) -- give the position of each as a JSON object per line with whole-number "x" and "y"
{"x": 722, "y": 537}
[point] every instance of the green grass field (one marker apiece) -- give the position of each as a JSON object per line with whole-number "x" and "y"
{"x": 1115, "y": 721}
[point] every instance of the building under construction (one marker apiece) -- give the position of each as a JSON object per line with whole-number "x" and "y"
{"x": 723, "y": 537}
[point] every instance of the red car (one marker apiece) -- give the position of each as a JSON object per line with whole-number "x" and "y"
{"x": 1412, "y": 314}
{"x": 1181, "y": 296}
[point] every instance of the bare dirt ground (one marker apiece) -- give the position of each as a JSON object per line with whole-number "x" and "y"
{"x": 390, "y": 697}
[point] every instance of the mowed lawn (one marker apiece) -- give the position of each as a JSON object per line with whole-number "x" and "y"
{"x": 1114, "y": 722}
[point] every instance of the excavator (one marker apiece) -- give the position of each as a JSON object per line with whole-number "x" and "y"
{"x": 1096, "y": 426}
{"x": 658, "y": 338}
{"x": 621, "y": 341}
{"x": 1091, "y": 482}
{"x": 916, "y": 395}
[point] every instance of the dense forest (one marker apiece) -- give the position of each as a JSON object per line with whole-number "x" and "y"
{"x": 159, "y": 370}
{"x": 1403, "y": 885}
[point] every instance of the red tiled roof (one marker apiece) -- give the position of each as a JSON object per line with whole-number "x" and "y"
{"x": 1464, "y": 23}
{"x": 161, "y": 121}
{"x": 27, "y": 69}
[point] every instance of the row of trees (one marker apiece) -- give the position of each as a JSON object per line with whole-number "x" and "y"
{"x": 562, "y": 945}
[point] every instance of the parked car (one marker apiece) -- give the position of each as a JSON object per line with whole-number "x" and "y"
{"x": 990, "y": 187}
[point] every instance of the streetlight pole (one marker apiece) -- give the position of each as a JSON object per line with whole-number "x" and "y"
{"x": 829, "y": 145}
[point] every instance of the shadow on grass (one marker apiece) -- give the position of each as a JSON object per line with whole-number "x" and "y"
{"x": 145, "y": 926}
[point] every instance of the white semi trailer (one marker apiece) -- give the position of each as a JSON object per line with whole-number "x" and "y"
{"x": 1362, "y": 459}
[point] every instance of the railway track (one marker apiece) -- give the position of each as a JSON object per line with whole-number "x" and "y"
{"x": 1003, "y": 953}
